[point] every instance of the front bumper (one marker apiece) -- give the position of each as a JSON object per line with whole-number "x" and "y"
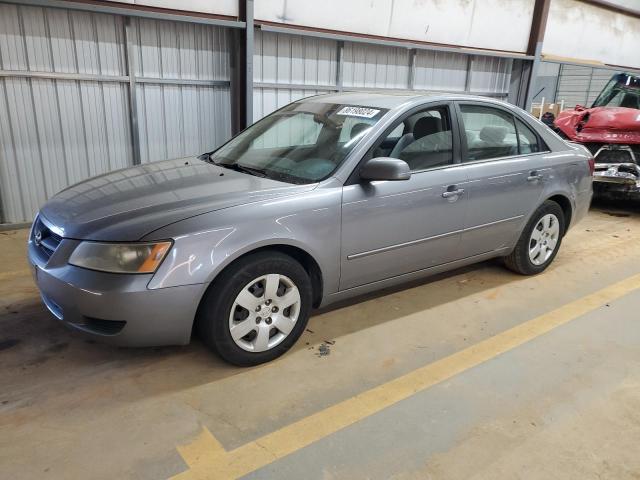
{"x": 113, "y": 308}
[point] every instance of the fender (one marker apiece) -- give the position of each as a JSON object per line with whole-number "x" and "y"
{"x": 197, "y": 258}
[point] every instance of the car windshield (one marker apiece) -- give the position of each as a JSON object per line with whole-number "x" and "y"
{"x": 622, "y": 91}
{"x": 301, "y": 143}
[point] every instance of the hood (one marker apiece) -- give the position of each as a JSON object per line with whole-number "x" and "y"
{"x": 601, "y": 124}
{"x": 128, "y": 204}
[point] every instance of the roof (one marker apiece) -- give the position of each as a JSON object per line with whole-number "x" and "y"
{"x": 388, "y": 100}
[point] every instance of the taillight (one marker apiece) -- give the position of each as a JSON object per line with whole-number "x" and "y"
{"x": 592, "y": 165}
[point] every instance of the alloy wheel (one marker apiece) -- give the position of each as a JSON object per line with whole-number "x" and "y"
{"x": 544, "y": 239}
{"x": 264, "y": 312}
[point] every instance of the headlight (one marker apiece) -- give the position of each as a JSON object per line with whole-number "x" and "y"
{"x": 120, "y": 257}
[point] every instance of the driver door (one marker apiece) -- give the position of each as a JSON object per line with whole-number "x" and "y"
{"x": 390, "y": 228}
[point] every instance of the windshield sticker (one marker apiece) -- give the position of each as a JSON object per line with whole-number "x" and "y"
{"x": 358, "y": 112}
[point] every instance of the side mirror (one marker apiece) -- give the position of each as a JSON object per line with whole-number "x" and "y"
{"x": 385, "y": 168}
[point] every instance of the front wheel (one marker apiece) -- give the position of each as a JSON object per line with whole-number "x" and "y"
{"x": 257, "y": 309}
{"x": 539, "y": 242}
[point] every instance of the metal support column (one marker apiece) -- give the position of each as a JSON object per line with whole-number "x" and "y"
{"x": 242, "y": 70}
{"x": 536, "y": 37}
{"x": 133, "y": 104}
{"x": 247, "y": 13}
{"x": 340, "y": 69}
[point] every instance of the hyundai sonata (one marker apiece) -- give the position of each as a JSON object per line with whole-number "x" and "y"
{"x": 327, "y": 198}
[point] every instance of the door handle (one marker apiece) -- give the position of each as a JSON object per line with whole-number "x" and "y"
{"x": 533, "y": 176}
{"x": 452, "y": 193}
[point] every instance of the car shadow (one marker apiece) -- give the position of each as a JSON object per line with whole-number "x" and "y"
{"x": 42, "y": 358}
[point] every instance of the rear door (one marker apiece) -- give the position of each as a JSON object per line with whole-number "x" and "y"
{"x": 506, "y": 166}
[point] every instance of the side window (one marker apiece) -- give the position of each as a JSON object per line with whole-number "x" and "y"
{"x": 297, "y": 130}
{"x": 490, "y": 133}
{"x": 427, "y": 140}
{"x": 528, "y": 140}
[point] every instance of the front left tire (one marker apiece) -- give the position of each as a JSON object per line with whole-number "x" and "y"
{"x": 256, "y": 309}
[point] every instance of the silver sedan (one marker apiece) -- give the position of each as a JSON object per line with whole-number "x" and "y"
{"x": 327, "y": 198}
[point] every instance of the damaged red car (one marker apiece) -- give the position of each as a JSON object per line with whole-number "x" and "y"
{"x": 610, "y": 129}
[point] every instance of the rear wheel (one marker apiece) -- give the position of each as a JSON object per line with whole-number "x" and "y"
{"x": 539, "y": 242}
{"x": 257, "y": 309}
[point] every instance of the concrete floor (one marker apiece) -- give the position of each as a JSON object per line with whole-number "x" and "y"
{"x": 564, "y": 405}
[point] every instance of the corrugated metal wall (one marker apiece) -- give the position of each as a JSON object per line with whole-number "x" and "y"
{"x": 190, "y": 114}
{"x": 65, "y": 89}
{"x": 58, "y": 132}
{"x": 64, "y": 98}
{"x": 441, "y": 71}
{"x": 375, "y": 67}
{"x": 490, "y": 75}
{"x": 288, "y": 67}
{"x": 578, "y": 85}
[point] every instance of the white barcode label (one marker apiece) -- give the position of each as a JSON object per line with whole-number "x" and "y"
{"x": 359, "y": 112}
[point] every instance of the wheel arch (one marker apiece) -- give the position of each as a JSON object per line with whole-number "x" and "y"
{"x": 302, "y": 256}
{"x": 567, "y": 209}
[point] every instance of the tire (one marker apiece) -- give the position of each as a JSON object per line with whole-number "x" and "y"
{"x": 271, "y": 328}
{"x": 523, "y": 259}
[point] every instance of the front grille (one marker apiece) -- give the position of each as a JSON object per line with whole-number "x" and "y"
{"x": 45, "y": 240}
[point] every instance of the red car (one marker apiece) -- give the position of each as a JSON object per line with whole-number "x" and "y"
{"x": 610, "y": 129}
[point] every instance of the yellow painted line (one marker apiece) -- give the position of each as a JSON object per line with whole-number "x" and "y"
{"x": 14, "y": 273}
{"x": 207, "y": 458}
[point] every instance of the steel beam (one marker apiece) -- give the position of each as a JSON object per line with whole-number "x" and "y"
{"x": 428, "y": 92}
{"x": 64, "y": 76}
{"x": 134, "y": 11}
{"x": 297, "y": 86}
{"x": 184, "y": 81}
{"x": 248, "y": 66}
{"x": 111, "y": 78}
{"x": 534, "y": 47}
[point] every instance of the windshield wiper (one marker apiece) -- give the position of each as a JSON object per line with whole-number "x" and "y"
{"x": 242, "y": 168}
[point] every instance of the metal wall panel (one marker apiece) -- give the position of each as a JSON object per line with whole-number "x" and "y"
{"x": 283, "y": 62}
{"x": 375, "y": 66}
{"x": 181, "y": 119}
{"x": 56, "y": 132}
{"x": 573, "y": 85}
{"x": 545, "y": 85}
{"x": 440, "y": 71}
{"x": 294, "y": 59}
{"x": 581, "y": 85}
{"x": 599, "y": 78}
{"x": 490, "y": 75}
